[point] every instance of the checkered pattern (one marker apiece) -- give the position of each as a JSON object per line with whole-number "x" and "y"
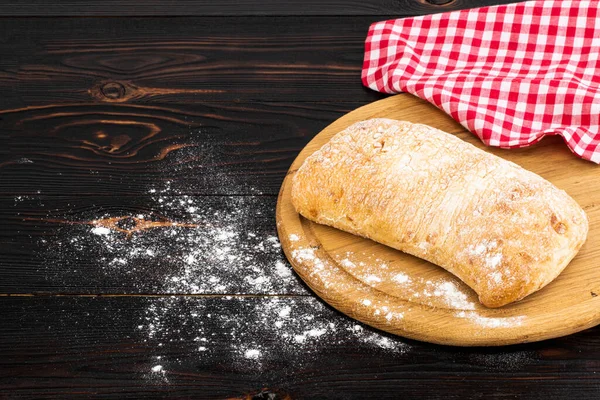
{"x": 511, "y": 74}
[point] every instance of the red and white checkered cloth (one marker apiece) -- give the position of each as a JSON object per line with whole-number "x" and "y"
{"x": 511, "y": 74}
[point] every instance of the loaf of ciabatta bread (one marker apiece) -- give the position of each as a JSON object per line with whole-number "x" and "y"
{"x": 504, "y": 231}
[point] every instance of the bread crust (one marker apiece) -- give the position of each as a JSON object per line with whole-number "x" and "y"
{"x": 504, "y": 231}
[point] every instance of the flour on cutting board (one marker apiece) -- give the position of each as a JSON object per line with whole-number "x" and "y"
{"x": 374, "y": 272}
{"x": 377, "y": 273}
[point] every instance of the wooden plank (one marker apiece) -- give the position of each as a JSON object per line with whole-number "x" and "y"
{"x": 157, "y": 243}
{"x": 203, "y": 148}
{"x": 182, "y": 60}
{"x": 131, "y": 348}
{"x": 400, "y": 8}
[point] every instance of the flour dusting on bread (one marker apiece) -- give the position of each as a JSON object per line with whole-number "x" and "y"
{"x": 504, "y": 231}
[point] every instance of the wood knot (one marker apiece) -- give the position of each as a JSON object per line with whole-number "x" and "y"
{"x": 113, "y": 90}
{"x": 439, "y": 2}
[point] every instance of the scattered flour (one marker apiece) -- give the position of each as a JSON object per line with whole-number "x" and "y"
{"x": 452, "y": 295}
{"x": 282, "y": 269}
{"x": 197, "y": 245}
{"x": 483, "y": 248}
{"x": 186, "y": 245}
{"x": 493, "y": 261}
{"x": 253, "y": 353}
{"x": 440, "y": 292}
{"x": 401, "y": 278}
{"x": 487, "y": 322}
{"x": 285, "y": 312}
{"x": 100, "y": 231}
{"x": 497, "y": 277}
{"x": 157, "y": 368}
{"x": 255, "y": 332}
{"x": 377, "y": 273}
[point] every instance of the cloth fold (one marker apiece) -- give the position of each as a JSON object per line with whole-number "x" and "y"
{"x": 511, "y": 74}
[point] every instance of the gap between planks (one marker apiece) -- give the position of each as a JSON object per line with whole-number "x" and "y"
{"x": 157, "y": 295}
{"x": 11, "y": 196}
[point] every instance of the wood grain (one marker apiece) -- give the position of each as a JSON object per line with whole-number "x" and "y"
{"x": 82, "y": 347}
{"x": 208, "y": 148}
{"x": 153, "y": 60}
{"x": 95, "y": 112}
{"x": 401, "y": 8}
{"x": 363, "y": 289}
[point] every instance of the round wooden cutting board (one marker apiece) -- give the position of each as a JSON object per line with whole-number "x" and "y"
{"x": 407, "y": 296}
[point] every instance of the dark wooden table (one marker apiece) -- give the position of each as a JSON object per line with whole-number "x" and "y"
{"x": 142, "y": 147}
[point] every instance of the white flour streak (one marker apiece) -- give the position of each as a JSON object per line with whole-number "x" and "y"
{"x": 253, "y": 353}
{"x": 157, "y": 368}
{"x": 492, "y": 322}
{"x": 378, "y": 274}
{"x": 453, "y": 296}
{"x": 401, "y": 278}
{"x": 492, "y": 261}
{"x": 101, "y": 231}
{"x": 282, "y": 269}
{"x": 307, "y": 254}
{"x": 284, "y": 312}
